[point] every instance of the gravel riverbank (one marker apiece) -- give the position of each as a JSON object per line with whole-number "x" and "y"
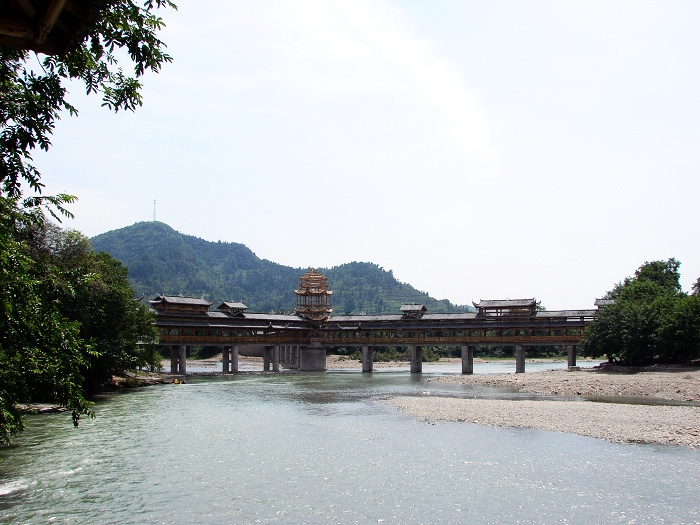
{"x": 616, "y": 422}
{"x": 619, "y": 423}
{"x": 669, "y": 383}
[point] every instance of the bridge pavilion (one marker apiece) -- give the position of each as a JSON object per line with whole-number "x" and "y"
{"x": 299, "y": 340}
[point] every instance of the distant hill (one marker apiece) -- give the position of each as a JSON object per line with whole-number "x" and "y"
{"x": 162, "y": 260}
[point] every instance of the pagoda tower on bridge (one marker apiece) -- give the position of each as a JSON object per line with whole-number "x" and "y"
{"x": 313, "y": 297}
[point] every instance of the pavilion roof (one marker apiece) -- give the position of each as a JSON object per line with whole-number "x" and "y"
{"x": 179, "y": 299}
{"x": 413, "y": 308}
{"x": 49, "y": 27}
{"x": 506, "y": 303}
{"x": 232, "y": 306}
{"x": 604, "y": 302}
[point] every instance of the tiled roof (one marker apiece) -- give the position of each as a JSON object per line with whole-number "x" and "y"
{"x": 232, "y": 306}
{"x": 505, "y": 303}
{"x": 179, "y": 299}
{"x": 413, "y": 308}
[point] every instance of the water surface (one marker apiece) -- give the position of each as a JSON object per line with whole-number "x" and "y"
{"x": 318, "y": 448}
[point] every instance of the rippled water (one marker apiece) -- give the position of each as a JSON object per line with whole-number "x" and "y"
{"x": 318, "y": 448}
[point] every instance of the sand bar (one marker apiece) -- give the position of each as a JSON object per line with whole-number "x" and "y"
{"x": 619, "y": 423}
{"x": 615, "y": 422}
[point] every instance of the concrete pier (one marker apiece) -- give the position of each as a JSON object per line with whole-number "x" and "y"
{"x": 174, "y": 360}
{"x": 571, "y": 355}
{"x": 234, "y": 359}
{"x": 367, "y": 358}
{"x": 416, "y": 359}
{"x": 467, "y": 359}
{"x": 275, "y": 358}
{"x": 267, "y": 358}
{"x": 519, "y": 359}
{"x": 295, "y": 356}
{"x": 225, "y": 360}
{"x": 312, "y": 358}
{"x": 178, "y": 359}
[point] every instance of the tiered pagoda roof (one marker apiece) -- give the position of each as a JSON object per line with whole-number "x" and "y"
{"x": 313, "y": 296}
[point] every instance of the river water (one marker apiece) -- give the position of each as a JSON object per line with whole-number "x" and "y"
{"x": 318, "y": 448}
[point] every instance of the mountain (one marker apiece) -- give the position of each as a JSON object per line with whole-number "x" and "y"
{"x": 162, "y": 260}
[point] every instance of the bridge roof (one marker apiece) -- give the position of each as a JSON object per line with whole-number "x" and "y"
{"x": 505, "y": 303}
{"x": 566, "y": 313}
{"x": 234, "y": 306}
{"x": 179, "y": 299}
{"x": 604, "y": 302}
{"x": 399, "y": 318}
{"x": 413, "y": 307}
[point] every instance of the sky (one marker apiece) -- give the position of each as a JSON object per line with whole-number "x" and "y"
{"x": 479, "y": 150}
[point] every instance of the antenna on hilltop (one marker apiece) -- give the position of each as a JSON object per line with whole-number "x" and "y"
{"x": 154, "y": 210}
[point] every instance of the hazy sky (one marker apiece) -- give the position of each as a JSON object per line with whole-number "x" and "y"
{"x": 480, "y": 150}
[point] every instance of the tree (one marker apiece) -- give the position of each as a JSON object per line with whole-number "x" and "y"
{"x": 42, "y": 353}
{"x": 32, "y": 95}
{"x": 92, "y": 289}
{"x": 696, "y": 287}
{"x": 651, "y": 320}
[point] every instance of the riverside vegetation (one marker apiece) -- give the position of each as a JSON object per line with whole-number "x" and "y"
{"x": 67, "y": 315}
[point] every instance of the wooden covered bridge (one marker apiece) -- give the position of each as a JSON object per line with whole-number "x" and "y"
{"x": 299, "y": 340}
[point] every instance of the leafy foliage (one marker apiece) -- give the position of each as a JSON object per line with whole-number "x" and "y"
{"x": 41, "y": 352}
{"x": 66, "y": 314}
{"x": 161, "y": 260}
{"x": 92, "y": 289}
{"x": 652, "y": 320}
{"x": 32, "y": 95}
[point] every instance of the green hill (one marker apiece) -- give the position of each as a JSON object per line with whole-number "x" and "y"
{"x": 161, "y": 260}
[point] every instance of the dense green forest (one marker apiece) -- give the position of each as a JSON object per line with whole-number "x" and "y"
{"x": 162, "y": 260}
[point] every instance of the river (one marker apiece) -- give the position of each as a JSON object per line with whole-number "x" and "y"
{"x": 317, "y": 448}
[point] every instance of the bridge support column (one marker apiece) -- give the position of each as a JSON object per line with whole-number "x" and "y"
{"x": 276, "y": 358}
{"x": 519, "y": 359}
{"x": 295, "y": 356}
{"x": 467, "y": 359}
{"x": 183, "y": 360}
{"x": 367, "y": 358}
{"x": 416, "y": 359}
{"x": 234, "y": 359}
{"x": 174, "y": 360}
{"x": 267, "y": 358}
{"x": 571, "y": 355}
{"x": 225, "y": 360}
{"x": 312, "y": 358}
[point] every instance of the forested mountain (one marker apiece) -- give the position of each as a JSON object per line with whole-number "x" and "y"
{"x": 161, "y": 260}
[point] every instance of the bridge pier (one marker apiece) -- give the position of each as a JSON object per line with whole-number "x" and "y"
{"x": 174, "y": 359}
{"x": 519, "y": 359}
{"x": 312, "y": 358}
{"x": 229, "y": 360}
{"x": 367, "y": 358}
{"x": 571, "y": 355}
{"x": 178, "y": 359}
{"x": 276, "y": 358}
{"x": 467, "y": 359}
{"x": 267, "y": 358}
{"x": 416, "y": 359}
{"x": 295, "y": 356}
{"x": 234, "y": 359}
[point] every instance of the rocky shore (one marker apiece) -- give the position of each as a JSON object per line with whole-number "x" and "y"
{"x": 613, "y": 421}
